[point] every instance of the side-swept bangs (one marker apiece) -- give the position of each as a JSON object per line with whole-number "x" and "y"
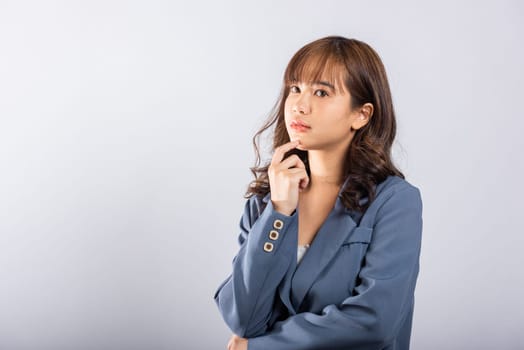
{"x": 314, "y": 64}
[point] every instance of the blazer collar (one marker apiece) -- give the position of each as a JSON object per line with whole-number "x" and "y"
{"x": 340, "y": 225}
{"x": 338, "y": 228}
{"x": 335, "y": 230}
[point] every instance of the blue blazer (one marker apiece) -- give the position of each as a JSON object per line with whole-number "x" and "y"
{"x": 353, "y": 289}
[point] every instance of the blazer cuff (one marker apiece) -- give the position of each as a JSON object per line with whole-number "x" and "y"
{"x": 269, "y": 232}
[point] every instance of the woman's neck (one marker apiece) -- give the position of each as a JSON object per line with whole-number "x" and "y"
{"x": 326, "y": 168}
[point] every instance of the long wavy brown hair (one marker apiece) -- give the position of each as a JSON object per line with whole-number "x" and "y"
{"x": 368, "y": 158}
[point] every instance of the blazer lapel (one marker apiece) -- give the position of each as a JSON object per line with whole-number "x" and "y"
{"x": 338, "y": 226}
{"x": 331, "y": 235}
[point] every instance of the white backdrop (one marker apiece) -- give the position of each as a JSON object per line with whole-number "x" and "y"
{"x": 125, "y": 147}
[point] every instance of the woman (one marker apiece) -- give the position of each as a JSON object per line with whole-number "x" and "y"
{"x": 331, "y": 231}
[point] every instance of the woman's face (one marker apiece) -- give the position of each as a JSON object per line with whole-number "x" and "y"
{"x": 320, "y": 116}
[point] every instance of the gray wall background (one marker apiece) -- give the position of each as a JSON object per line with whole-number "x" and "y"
{"x": 123, "y": 124}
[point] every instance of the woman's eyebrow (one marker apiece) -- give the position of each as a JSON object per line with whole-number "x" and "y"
{"x": 324, "y": 83}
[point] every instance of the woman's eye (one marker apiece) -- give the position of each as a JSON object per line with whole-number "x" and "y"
{"x": 321, "y": 93}
{"x": 294, "y": 89}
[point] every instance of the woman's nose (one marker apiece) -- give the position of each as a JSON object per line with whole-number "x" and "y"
{"x": 301, "y": 106}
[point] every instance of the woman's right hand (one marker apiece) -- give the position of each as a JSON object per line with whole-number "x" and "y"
{"x": 286, "y": 178}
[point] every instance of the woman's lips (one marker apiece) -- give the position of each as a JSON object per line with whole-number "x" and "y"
{"x": 299, "y": 126}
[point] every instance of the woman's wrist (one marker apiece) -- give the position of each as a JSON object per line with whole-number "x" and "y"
{"x": 283, "y": 210}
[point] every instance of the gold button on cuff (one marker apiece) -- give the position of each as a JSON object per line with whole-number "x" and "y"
{"x": 268, "y": 247}
{"x": 273, "y": 235}
{"x": 278, "y": 224}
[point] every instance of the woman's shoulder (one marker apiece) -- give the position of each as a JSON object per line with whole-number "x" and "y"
{"x": 394, "y": 193}
{"x": 394, "y": 183}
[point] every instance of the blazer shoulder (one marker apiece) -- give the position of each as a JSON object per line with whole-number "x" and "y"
{"x": 393, "y": 184}
{"x": 393, "y": 192}
{"x": 395, "y": 189}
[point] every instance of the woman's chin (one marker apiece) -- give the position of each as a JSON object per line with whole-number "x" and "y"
{"x": 302, "y": 147}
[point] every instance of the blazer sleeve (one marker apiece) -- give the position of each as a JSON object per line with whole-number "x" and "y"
{"x": 383, "y": 297}
{"x": 245, "y": 299}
